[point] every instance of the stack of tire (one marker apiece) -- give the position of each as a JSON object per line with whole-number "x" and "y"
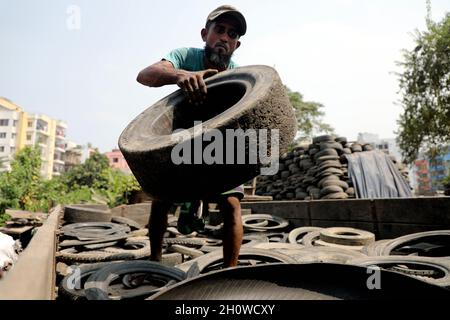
{"x": 402, "y": 168}
{"x": 316, "y": 171}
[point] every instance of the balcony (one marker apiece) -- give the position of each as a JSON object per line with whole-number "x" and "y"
{"x": 60, "y": 148}
{"x": 58, "y": 161}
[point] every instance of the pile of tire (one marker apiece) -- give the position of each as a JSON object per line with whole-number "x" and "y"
{"x": 316, "y": 171}
{"x": 117, "y": 280}
{"x": 402, "y": 168}
{"x": 423, "y": 255}
{"x": 102, "y": 241}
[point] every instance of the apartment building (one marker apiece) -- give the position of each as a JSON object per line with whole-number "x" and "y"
{"x": 76, "y": 154}
{"x": 19, "y": 129}
{"x": 422, "y": 177}
{"x": 49, "y": 135}
{"x": 11, "y": 139}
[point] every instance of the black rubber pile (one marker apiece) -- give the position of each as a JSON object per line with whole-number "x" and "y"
{"x": 117, "y": 280}
{"x": 318, "y": 171}
{"x": 267, "y": 239}
{"x": 102, "y": 241}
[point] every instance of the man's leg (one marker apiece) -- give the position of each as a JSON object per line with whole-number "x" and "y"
{"x": 157, "y": 226}
{"x": 233, "y": 230}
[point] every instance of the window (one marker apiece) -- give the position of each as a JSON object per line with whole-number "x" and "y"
{"x": 30, "y": 124}
{"x": 4, "y": 122}
{"x": 115, "y": 160}
{"x": 2, "y": 135}
{"x": 13, "y": 136}
{"x": 13, "y": 149}
{"x": 15, "y": 123}
{"x": 28, "y": 136}
{"x": 2, "y": 149}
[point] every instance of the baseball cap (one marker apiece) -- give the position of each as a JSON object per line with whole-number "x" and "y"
{"x": 230, "y": 11}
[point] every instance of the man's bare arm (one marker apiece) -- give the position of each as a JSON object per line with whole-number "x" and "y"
{"x": 163, "y": 73}
{"x": 159, "y": 74}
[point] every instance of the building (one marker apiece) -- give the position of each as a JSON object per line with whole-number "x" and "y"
{"x": 117, "y": 160}
{"x": 19, "y": 129}
{"x": 73, "y": 155}
{"x": 422, "y": 178}
{"x": 76, "y": 154}
{"x": 50, "y": 136}
{"x": 11, "y": 131}
{"x": 439, "y": 169}
{"x": 389, "y": 146}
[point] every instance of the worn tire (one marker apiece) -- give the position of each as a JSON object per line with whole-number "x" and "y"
{"x": 411, "y": 238}
{"x": 280, "y": 222}
{"x": 86, "y": 270}
{"x": 295, "y": 233}
{"x": 203, "y": 263}
{"x": 96, "y": 287}
{"x": 347, "y": 236}
{"x": 442, "y": 265}
{"x": 126, "y": 221}
{"x": 76, "y": 214}
{"x": 326, "y": 254}
{"x": 339, "y": 183}
{"x": 330, "y": 190}
{"x": 335, "y": 196}
{"x": 250, "y": 97}
{"x": 376, "y": 248}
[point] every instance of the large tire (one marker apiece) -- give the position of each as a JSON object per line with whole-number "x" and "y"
{"x": 347, "y": 236}
{"x": 75, "y": 291}
{"x": 440, "y": 265}
{"x": 214, "y": 260}
{"x": 280, "y": 223}
{"x": 94, "y": 230}
{"x": 409, "y": 239}
{"x": 108, "y": 254}
{"x": 78, "y": 213}
{"x": 96, "y": 287}
{"x": 294, "y": 235}
{"x": 326, "y": 254}
{"x": 246, "y": 98}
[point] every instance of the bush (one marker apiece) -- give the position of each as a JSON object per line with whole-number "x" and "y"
{"x": 23, "y": 188}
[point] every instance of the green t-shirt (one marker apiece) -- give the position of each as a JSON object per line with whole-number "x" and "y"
{"x": 190, "y": 59}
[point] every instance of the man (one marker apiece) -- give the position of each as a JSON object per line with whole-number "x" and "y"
{"x": 187, "y": 68}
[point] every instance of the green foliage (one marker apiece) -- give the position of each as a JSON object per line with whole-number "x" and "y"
{"x": 89, "y": 173}
{"x": 309, "y": 116}
{"x": 3, "y": 218}
{"x": 23, "y": 188}
{"x": 19, "y": 186}
{"x": 446, "y": 182}
{"x": 425, "y": 90}
{"x": 119, "y": 187}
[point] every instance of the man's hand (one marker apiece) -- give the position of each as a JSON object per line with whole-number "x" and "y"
{"x": 193, "y": 85}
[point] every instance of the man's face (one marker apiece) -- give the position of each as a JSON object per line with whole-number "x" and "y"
{"x": 221, "y": 40}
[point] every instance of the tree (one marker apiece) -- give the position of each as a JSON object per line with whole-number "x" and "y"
{"x": 19, "y": 186}
{"x": 309, "y": 116}
{"x": 425, "y": 90}
{"x": 88, "y": 173}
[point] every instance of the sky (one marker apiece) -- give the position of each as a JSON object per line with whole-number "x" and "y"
{"x": 77, "y": 60}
